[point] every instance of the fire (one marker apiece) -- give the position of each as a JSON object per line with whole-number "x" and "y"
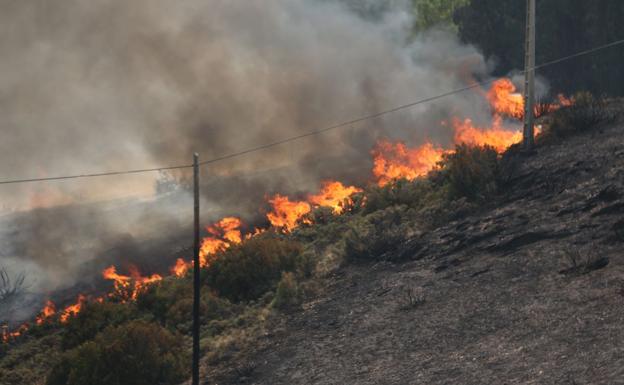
{"x": 287, "y": 214}
{"x": 504, "y": 99}
{"x": 334, "y": 194}
{"x": 495, "y": 136}
{"x": 129, "y": 287}
{"x": 48, "y": 311}
{"x": 73, "y": 310}
{"x": 223, "y": 234}
{"x": 228, "y": 228}
{"x": 256, "y": 232}
{"x": 7, "y": 335}
{"x": 180, "y": 268}
{"x": 396, "y": 161}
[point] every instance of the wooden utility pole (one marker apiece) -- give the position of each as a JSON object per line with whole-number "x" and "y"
{"x": 196, "y": 267}
{"x": 529, "y": 78}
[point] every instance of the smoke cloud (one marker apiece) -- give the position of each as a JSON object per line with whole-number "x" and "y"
{"x": 92, "y": 85}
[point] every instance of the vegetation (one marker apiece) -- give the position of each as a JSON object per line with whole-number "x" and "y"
{"x": 11, "y": 287}
{"x": 136, "y": 353}
{"x": 431, "y": 13}
{"x": 247, "y": 271}
{"x": 471, "y": 172}
{"x": 564, "y": 26}
{"x": 288, "y": 293}
{"x": 143, "y": 342}
{"x": 586, "y": 114}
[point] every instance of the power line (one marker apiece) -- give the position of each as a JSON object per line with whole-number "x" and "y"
{"x": 319, "y": 131}
{"x": 111, "y": 173}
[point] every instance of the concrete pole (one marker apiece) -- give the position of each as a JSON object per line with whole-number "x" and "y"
{"x": 529, "y": 79}
{"x": 196, "y": 267}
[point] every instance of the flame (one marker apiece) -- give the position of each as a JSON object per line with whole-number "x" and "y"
{"x": 7, "y": 335}
{"x": 495, "y": 136}
{"x": 72, "y": 310}
{"x": 564, "y": 101}
{"x": 228, "y": 228}
{"x": 48, "y": 311}
{"x": 286, "y": 214}
{"x": 129, "y": 287}
{"x": 180, "y": 268}
{"x": 334, "y": 194}
{"x": 223, "y": 234}
{"x": 396, "y": 161}
{"x": 504, "y": 99}
{"x": 257, "y": 231}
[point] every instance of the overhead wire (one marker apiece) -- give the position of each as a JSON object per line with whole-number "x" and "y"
{"x": 314, "y": 132}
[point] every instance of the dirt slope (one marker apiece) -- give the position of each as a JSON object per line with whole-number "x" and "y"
{"x": 494, "y": 299}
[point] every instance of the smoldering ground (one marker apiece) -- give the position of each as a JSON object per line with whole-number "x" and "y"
{"x": 108, "y": 84}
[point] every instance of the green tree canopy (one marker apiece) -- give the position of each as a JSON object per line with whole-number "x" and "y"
{"x": 564, "y": 27}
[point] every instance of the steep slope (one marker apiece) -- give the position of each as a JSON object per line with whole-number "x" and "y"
{"x": 493, "y": 298}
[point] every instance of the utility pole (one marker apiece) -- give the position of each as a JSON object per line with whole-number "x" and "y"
{"x": 529, "y": 79}
{"x": 196, "y": 267}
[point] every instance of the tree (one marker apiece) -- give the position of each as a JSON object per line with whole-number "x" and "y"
{"x": 10, "y": 290}
{"x": 564, "y": 27}
{"x": 430, "y": 13}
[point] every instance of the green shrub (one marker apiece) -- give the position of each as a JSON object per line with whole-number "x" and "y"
{"x": 247, "y": 271}
{"x": 92, "y": 319}
{"x": 471, "y": 172}
{"x": 585, "y": 114}
{"x": 415, "y": 194}
{"x": 287, "y": 294}
{"x": 171, "y": 301}
{"x": 159, "y": 298}
{"x": 375, "y": 236}
{"x": 136, "y": 353}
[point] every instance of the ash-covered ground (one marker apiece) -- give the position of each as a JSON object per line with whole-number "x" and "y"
{"x": 528, "y": 291}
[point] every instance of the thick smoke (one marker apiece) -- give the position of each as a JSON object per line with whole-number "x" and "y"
{"x": 91, "y": 85}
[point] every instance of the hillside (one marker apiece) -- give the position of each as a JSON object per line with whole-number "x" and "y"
{"x": 490, "y": 298}
{"x": 495, "y": 267}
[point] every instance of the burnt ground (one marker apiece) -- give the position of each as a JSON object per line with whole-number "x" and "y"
{"x": 493, "y": 298}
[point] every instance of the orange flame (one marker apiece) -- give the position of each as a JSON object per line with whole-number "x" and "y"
{"x": 180, "y": 268}
{"x": 72, "y": 310}
{"x": 505, "y": 100}
{"x": 48, "y": 311}
{"x": 396, "y": 161}
{"x": 7, "y": 335}
{"x": 129, "y": 287}
{"x": 335, "y": 195}
{"x": 286, "y": 214}
{"x": 495, "y": 136}
{"x": 223, "y": 234}
{"x": 256, "y": 232}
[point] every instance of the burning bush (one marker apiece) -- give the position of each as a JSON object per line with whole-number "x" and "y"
{"x": 136, "y": 353}
{"x": 247, "y": 271}
{"x": 472, "y": 172}
{"x": 585, "y": 114}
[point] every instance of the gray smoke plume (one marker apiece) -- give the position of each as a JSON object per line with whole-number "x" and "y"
{"x": 92, "y": 85}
